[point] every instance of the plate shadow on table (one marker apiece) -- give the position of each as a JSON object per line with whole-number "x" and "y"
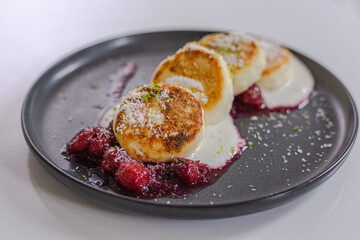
{"x": 90, "y": 219}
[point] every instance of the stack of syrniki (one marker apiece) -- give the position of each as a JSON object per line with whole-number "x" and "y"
{"x": 222, "y": 65}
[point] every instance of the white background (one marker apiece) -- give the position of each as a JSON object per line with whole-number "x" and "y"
{"x": 34, "y": 34}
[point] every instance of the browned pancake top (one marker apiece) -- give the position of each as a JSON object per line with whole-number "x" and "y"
{"x": 238, "y": 50}
{"x": 199, "y": 65}
{"x": 157, "y": 118}
{"x": 276, "y": 60}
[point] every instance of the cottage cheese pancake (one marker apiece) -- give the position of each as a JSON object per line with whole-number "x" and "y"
{"x": 278, "y": 66}
{"x": 157, "y": 122}
{"x": 243, "y": 55}
{"x": 205, "y": 74}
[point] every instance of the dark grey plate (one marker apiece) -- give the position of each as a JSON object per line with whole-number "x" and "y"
{"x": 290, "y": 154}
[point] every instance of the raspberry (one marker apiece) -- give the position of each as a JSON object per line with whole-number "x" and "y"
{"x": 111, "y": 133}
{"x": 113, "y": 158}
{"x": 133, "y": 176}
{"x": 100, "y": 143}
{"x": 81, "y": 141}
{"x": 203, "y": 170}
{"x": 252, "y": 97}
{"x": 187, "y": 171}
{"x": 106, "y": 167}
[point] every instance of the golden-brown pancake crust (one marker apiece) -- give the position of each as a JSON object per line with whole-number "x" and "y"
{"x": 199, "y": 65}
{"x": 158, "y": 121}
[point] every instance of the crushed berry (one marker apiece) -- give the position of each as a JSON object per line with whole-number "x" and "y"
{"x": 252, "y": 97}
{"x": 187, "y": 171}
{"x": 133, "y": 176}
{"x": 251, "y": 103}
{"x": 203, "y": 170}
{"x": 107, "y": 167}
{"x": 111, "y": 133}
{"x": 104, "y": 140}
{"x": 81, "y": 141}
{"x": 113, "y": 158}
{"x": 108, "y": 161}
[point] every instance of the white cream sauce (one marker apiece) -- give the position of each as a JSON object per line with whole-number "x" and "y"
{"x": 221, "y": 142}
{"x": 295, "y": 91}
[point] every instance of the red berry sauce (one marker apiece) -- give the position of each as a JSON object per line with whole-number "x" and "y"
{"x": 97, "y": 149}
{"x": 251, "y": 103}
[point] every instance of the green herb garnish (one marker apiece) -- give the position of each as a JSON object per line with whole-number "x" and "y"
{"x": 94, "y": 86}
{"x": 221, "y": 149}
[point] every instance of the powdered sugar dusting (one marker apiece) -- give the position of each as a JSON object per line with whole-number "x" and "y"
{"x": 233, "y": 39}
{"x": 231, "y": 46}
{"x": 137, "y": 114}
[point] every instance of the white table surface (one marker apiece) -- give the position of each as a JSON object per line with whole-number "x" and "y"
{"x": 34, "y": 34}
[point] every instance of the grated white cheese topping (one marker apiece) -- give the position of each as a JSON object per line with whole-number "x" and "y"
{"x": 233, "y": 38}
{"x": 137, "y": 114}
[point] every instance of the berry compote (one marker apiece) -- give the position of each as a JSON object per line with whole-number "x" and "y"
{"x": 251, "y": 103}
{"x": 97, "y": 149}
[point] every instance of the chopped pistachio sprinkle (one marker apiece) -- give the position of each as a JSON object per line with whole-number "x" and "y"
{"x": 225, "y": 49}
{"x": 206, "y": 43}
{"x": 154, "y": 91}
{"x": 221, "y": 149}
{"x": 231, "y": 67}
{"x": 94, "y": 86}
{"x": 297, "y": 128}
{"x": 81, "y": 122}
{"x": 232, "y": 76}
